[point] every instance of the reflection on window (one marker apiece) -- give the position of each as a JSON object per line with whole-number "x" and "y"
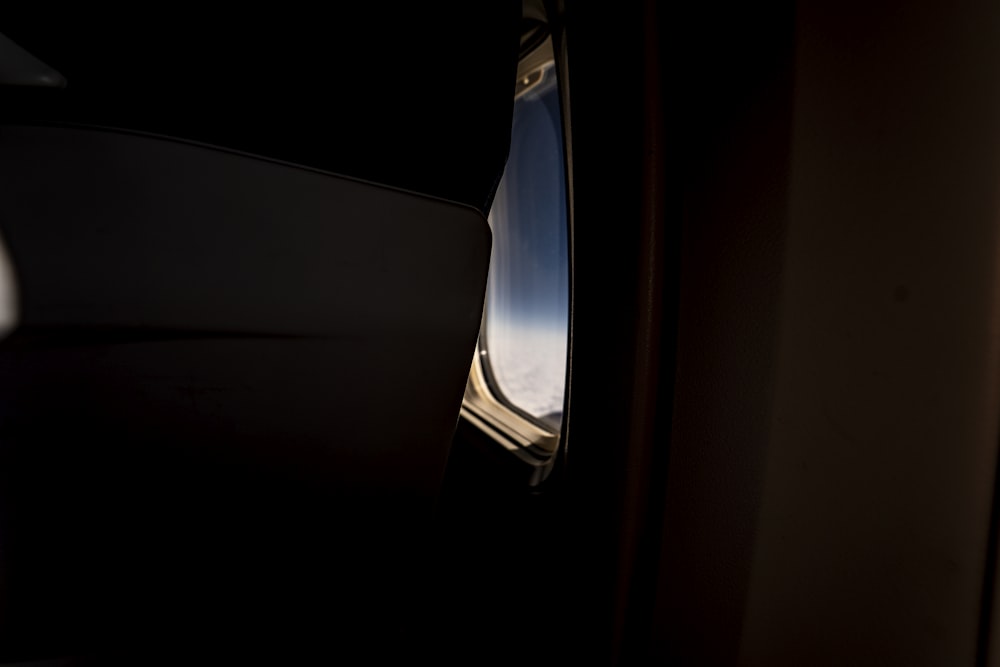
{"x": 527, "y": 306}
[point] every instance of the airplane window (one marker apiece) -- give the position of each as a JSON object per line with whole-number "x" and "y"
{"x": 524, "y": 339}
{"x": 8, "y": 292}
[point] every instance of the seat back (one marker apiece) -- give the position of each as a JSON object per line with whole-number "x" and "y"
{"x": 230, "y": 396}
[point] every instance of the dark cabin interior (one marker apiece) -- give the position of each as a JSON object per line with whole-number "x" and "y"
{"x": 251, "y": 253}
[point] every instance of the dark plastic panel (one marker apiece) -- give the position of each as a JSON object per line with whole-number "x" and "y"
{"x": 230, "y": 397}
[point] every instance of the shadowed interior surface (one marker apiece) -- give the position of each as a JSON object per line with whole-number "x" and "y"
{"x": 192, "y": 432}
